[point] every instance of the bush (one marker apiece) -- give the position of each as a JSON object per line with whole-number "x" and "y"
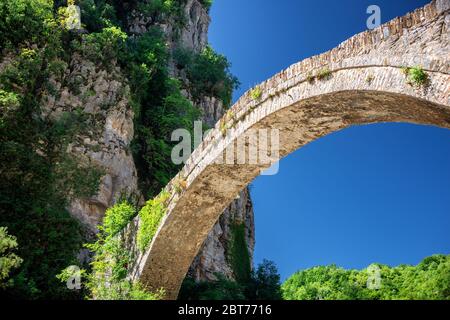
{"x": 160, "y": 109}
{"x": 8, "y": 259}
{"x": 239, "y": 255}
{"x": 263, "y": 284}
{"x": 207, "y": 4}
{"x": 117, "y": 218}
{"x": 38, "y": 177}
{"x": 111, "y": 261}
{"x": 324, "y": 74}
{"x": 415, "y": 76}
{"x": 103, "y": 47}
{"x": 208, "y": 74}
{"x": 25, "y": 21}
{"x": 256, "y": 93}
{"x": 221, "y": 289}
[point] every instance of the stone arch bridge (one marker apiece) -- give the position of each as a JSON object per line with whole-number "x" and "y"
{"x": 359, "y": 82}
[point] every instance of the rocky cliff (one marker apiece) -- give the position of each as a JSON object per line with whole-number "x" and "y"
{"x": 104, "y": 96}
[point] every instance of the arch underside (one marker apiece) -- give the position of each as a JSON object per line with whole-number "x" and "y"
{"x": 197, "y": 210}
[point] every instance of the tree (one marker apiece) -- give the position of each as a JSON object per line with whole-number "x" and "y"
{"x": 220, "y": 289}
{"x": 265, "y": 282}
{"x": 262, "y": 284}
{"x": 429, "y": 280}
{"x": 8, "y": 259}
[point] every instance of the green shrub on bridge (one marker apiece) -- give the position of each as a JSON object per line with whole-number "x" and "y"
{"x": 415, "y": 76}
{"x": 151, "y": 215}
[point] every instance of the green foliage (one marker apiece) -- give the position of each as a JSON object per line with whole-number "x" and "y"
{"x": 239, "y": 256}
{"x": 227, "y": 122}
{"x": 117, "y": 218}
{"x": 74, "y": 179}
{"x": 99, "y": 14}
{"x": 159, "y": 9}
{"x": 8, "y": 259}
{"x": 221, "y": 289}
{"x": 208, "y": 74}
{"x": 324, "y": 74}
{"x": 104, "y": 46}
{"x": 207, "y": 4}
{"x": 37, "y": 175}
{"x": 111, "y": 261}
{"x": 146, "y": 61}
{"x": 310, "y": 78}
{"x": 19, "y": 17}
{"x": 256, "y": 93}
{"x": 264, "y": 284}
{"x": 151, "y": 215}
{"x": 9, "y": 102}
{"x": 160, "y": 109}
{"x": 429, "y": 280}
{"x": 415, "y": 76}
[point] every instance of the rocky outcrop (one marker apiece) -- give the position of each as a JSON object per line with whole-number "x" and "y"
{"x": 104, "y": 97}
{"x": 192, "y": 35}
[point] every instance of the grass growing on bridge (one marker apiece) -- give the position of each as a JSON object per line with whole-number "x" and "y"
{"x": 151, "y": 216}
{"x": 256, "y": 93}
{"x": 415, "y": 76}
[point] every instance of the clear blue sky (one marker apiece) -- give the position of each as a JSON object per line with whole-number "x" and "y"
{"x": 378, "y": 193}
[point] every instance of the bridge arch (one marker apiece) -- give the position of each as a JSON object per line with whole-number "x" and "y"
{"x": 361, "y": 81}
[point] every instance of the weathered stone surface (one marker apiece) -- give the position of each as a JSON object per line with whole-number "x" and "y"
{"x": 305, "y": 111}
{"x": 104, "y": 97}
{"x": 214, "y": 256}
{"x": 194, "y": 34}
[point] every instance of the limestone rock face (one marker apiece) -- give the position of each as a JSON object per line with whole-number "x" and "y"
{"x": 193, "y": 35}
{"x": 103, "y": 97}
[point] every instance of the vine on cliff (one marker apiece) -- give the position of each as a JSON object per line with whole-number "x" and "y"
{"x": 239, "y": 255}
